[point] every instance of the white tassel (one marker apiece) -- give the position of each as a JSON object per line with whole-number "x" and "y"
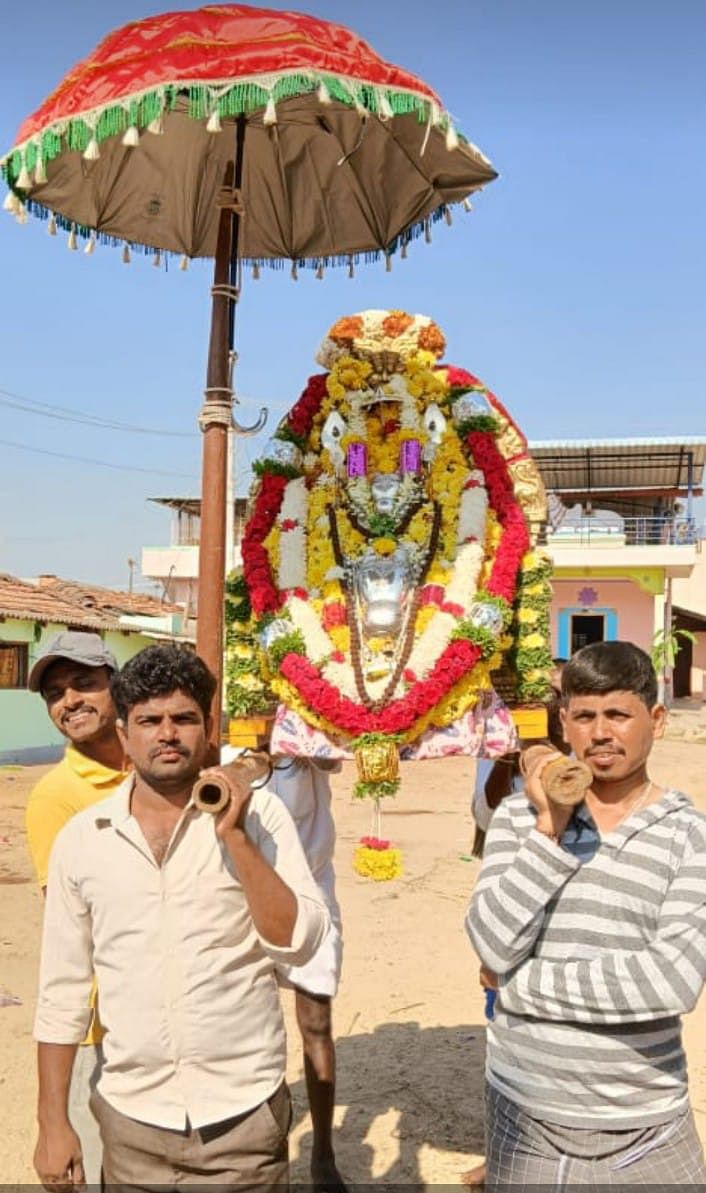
{"x": 467, "y": 205}
{"x": 351, "y": 267}
{"x": 403, "y": 251}
{"x": 40, "y": 172}
{"x": 92, "y": 151}
{"x": 156, "y": 126}
{"x": 72, "y": 242}
{"x": 157, "y": 259}
{"x": 24, "y": 179}
{"x": 388, "y": 263}
{"x": 90, "y": 246}
{"x": 384, "y": 109}
{"x": 213, "y": 124}
{"x": 448, "y": 216}
{"x": 255, "y": 271}
{"x": 22, "y": 217}
{"x": 451, "y": 137}
{"x": 427, "y": 231}
{"x": 427, "y": 135}
{"x": 361, "y": 109}
{"x": 319, "y": 275}
{"x": 184, "y": 263}
{"x": 323, "y": 94}
{"x": 294, "y": 272}
{"x": 11, "y": 203}
{"x": 126, "y": 254}
{"x": 270, "y": 114}
{"x": 51, "y": 226}
{"x": 131, "y": 137}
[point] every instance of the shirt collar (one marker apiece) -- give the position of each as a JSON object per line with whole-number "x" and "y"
{"x": 93, "y": 772}
{"x": 116, "y": 809}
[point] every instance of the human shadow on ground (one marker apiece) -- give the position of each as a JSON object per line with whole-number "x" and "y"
{"x": 427, "y": 1082}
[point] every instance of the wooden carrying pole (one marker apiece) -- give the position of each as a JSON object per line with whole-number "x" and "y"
{"x": 215, "y": 422}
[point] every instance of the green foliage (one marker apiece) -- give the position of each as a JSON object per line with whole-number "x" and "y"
{"x": 285, "y": 432}
{"x": 382, "y": 525}
{"x": 275, "y": 468}
{"x": 385, "y": 789}
{"x": 374, "y": 739}
{"x": 237, "y": 607}
{"x": 478, "y": 422}
{"x": 481, "y": 637}
{"x": 666, "y": 646}
{"x": 293, "y": 641}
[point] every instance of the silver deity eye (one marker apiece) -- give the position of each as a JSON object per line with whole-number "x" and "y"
{"x": 331, "y": 435}
{"x": 435, "y": 422}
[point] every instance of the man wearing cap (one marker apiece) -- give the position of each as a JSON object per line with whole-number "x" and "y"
{"x": 73, "y": 676}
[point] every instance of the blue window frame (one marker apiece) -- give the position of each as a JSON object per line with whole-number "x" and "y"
{"x": 610, "y": 626}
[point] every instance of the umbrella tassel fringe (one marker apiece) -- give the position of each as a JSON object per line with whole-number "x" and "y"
{"x": 146, "y": 112}
{"x": 213, "y": 125}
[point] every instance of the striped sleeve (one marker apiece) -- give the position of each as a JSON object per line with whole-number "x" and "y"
{"x": 663, "y": 978}
{"x": 519, "y": 878}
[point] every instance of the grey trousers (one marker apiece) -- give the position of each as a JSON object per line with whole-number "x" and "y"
{"x": 85, "y": 1074}
{"x": 521, "y": 1150}
{"x": 249, "y": 1151}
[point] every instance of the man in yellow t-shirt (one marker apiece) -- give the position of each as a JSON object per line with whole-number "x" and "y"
{"x": 73, "y": 676}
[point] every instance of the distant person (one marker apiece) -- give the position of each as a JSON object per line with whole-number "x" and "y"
{"x": 497, "y": 778}
{"x": 184, "y": 916}
{"x": 73, "y": 676}
{"x": 591, "y": 923}
{"x": 304, "y": 786}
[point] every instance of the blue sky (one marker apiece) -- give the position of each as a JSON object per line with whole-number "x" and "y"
{"x": 575, "y": 289}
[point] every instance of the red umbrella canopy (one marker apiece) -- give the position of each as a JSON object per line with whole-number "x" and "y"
{"x": 343, "y": 153}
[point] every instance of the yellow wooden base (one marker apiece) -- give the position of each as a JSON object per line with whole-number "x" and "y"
{"x": 530, "y": 722}
{"x": 249, "y": 732}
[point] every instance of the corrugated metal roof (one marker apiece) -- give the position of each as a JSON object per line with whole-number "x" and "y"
{"x": 613, "y": 465}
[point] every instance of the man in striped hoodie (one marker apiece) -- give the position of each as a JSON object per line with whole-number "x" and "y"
{"x": 592, "y": 924}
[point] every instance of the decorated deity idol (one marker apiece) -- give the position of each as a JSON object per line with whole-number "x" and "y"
{"x": 390, "y": 581}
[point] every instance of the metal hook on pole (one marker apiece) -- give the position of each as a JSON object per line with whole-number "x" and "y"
{"x": 259, "y": 423}
{"x": 255, "y": 427}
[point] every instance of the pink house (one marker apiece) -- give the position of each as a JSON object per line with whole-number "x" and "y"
{"x": 622, "y": 534}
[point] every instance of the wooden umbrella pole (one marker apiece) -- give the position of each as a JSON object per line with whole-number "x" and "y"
{"x": 215, "y": 422}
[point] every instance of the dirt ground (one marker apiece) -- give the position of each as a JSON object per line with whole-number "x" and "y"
{"x": 408, "y": 1017}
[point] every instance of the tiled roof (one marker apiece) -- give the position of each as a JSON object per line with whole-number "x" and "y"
{"x": 21, "y": 601}
{"x": 107, "y": 600}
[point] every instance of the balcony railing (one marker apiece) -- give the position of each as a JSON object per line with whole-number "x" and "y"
{"x": 612, "y": 530}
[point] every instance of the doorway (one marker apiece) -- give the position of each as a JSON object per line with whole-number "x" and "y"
{"x": 586, "y": 628}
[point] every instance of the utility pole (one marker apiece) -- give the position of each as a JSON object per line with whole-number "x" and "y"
{"x": 131, "y": 563}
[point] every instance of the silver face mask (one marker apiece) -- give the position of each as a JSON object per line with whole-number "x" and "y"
{"x": 382, "y": 584}
{"x": 384, "y": 488}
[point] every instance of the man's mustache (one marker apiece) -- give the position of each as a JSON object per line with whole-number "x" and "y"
{"x": 169, "y": 750}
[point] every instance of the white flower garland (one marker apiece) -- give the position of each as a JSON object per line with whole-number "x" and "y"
{"x": 460, "y": 590}
{"x": 473, "y": 511}
{"x": 463, "y": 585}
{"x": 316, "y": 641}
{"x": 292, "y": 541}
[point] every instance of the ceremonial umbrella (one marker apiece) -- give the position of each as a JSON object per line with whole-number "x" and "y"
{"x": 246, "y": 135}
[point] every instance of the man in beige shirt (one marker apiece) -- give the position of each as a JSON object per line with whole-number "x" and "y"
{"x": 183, "y": 917}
